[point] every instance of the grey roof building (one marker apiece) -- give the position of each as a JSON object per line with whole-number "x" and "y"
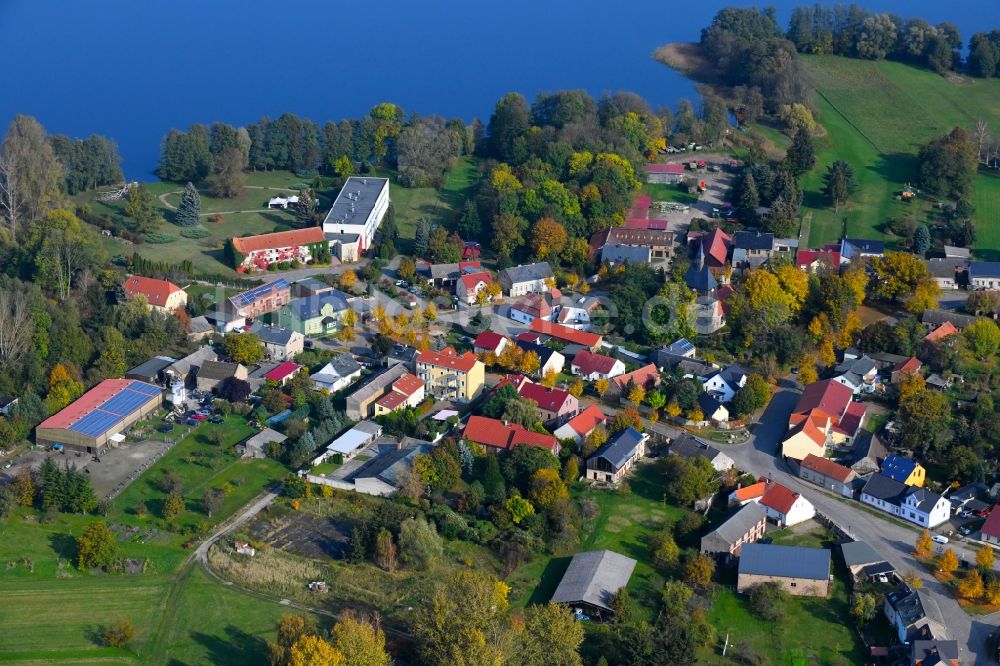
{"x": 785, "y": 561}
{"x": 700, "y": 279}
{"x": 310, "y": 307}
{"x": 199, "y": 327}
{"x": 743, "y": 527}
{"x": 689, "y": 446}
{"x": 385, "y": 474}
{"x": 624, "y": 254}
{"x": 937, "y": 317}
{"x": 868, "y": 454}
{"x": 905, "y": 610}
{"x": 272, "y": 335}
{"x": 620, "y": 451}
{"x": 184, "y": 367}
{"x": 953, "y": 252}
{"x": 753, "y": 240}
{"x": 519, "y": 280}
{"x": 151, "y": 371}
{"x": 592, "y": 578}
{"x": 311, "y": 286}
{"x": 255, "y": 446}
{"x": 361, "y": 401}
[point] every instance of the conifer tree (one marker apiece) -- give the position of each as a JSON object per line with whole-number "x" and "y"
{"x": 422, "y": 241}
{"x": 190, "y": 209}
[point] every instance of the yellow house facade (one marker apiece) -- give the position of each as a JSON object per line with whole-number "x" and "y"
{"x": 451, "y": 376}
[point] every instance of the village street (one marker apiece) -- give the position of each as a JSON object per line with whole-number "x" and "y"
{"x": 889, "y": 538}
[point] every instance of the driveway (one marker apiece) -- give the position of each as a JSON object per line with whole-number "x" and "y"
{"x": 894, "y": 541}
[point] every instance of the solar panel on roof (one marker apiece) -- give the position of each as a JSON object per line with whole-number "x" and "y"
{"x": 251, "y": 295}
{"x": 145, "y": 389}
{"x": 124, "y": 403}
{"x": 95, "y": 423}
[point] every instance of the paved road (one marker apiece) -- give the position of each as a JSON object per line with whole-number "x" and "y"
{"x": 892, "y": 540}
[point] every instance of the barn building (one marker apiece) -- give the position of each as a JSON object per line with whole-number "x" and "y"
{"x": 97, "y": 419}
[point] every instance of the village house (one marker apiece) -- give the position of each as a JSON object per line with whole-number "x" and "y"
{"x": 825, "y": 414}
{"x": 907, "y": 368}
{"x": 470, "y": 285}
{"x": 830, "y": 475}
{"x": 591, "y": 580}
{"x": 935, "y": 318}
{"x": 864, "y": 564}
{"x": 803, "y": 572}
{"x": 578, "y": 315}
{"x": 904, "y": 608}
{"x": 257, "y": 253}
{"x": 353, "y": 441}
{"x": 752, "y": 248}
{"x": 199, "y": 328}
{"x": 361, "y": 403}
{"x": 256, "y": 445}
{"x": 948, "y": 273}
{"x": 555, "y": 406}
{"x": 495, "y": 435}
{"x": 407, "y": 391}
{"x": 713, "y": 410}
{"x": 385, "y": 474}
{"x": 934, "y": 653}
{"x": 713, "y": 246}
{"x": 151, "y": 371}
{"x": 689, "y": 446}
{"x": 339, "y": 373}
{"x": 990, "y": 531}
{"x": 916, "y": 505}
{"x": 280, "y": 343}
{"x": 747, "y": 525}
{"x": 724, "y": 384}
{"x": 490, "y": 342}
{"x": 858, "y": 374}
{"x": 261, "y": 300}
{"x": 785, "y": 506}
{"x": 530, "y": 307}
{"x": 161, "y": 295}
{"x": 358, "y": 209}
{"x": 591, "y": 366}
{"x": 637, "y": 245}
{"x": 566, "y": 335}
{"x": 905, "y": 470}
{"x": 212, "y": 373}
{"x": 855, "y": 248}
{"x": 868, "y": 453}
{"x": 316, "y": 315}
{"x": 451, "y": 376}
{"x": 984, "y": 275}
{"x": 282, "y": 372}
{"x": 646, "y": 377}
{"x": 747, "y": 494}
{"x": 549, "y": 360}
{"x": 669, "y": 174}
{"x": 814, "y": 261}
{"x": 310, "y": 287}
{"x": 185, "y": 369}
{"x": 612, "y": 462}
{"x": 940, "y": 334}
{"x": 521, "y": 280}
{"x": 581, "y": 425}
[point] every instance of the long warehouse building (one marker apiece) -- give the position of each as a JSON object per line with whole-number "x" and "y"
{"x": 98, "y": 418}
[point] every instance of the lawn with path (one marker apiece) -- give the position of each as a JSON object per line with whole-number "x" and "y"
{"x": 877, "y": 115}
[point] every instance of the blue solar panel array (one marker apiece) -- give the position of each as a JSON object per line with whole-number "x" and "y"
{"x": 116, "y": 408}
{"x": 248, "y": 297}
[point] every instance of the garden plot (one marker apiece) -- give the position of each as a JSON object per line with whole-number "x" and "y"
{"x": 305, "y": 534}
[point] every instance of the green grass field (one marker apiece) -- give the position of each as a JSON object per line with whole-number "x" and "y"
{"x": 877, "y": 115}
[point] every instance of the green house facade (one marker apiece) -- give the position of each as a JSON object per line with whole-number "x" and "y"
{"x": 315, "y": 315}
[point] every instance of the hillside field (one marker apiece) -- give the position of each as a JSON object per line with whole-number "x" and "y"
{"x": 877, "y": 115}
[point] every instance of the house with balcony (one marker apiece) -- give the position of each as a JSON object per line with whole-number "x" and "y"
{"x": 449, "y": 375}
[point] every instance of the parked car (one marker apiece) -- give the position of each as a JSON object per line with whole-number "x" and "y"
{"x": 166, "y": 427}
{"x": 216, "y": 419}
{"x": 198, "y": 417}
{"x": 939, "y": 538}
{"x": 190, "y": 422}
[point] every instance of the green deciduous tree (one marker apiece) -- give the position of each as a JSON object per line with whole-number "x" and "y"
{"x": 244, "y": 347}
{"x": 551, "y": 637}
{"x": 96, "y": 546}
{"x": 419, "y": 543}
{"x": 983, "y": 337}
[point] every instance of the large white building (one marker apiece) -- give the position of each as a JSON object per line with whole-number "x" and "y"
{"x": 359, "y": 210}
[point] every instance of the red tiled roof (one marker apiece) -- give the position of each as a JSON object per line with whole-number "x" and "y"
{"x": 851, "y": 420}
{"x": 716, "y": 244}
{"x": 827, "y": 468}
{"x": 909, "y": 366}
{"x": 643, "y": 223}
{"x": 751, "y": 492}
{"x": 88, "y": 402}
{"x": 941, "y": 332}
{"x": 533, "y": 338}
{"x": 488, "y": 340}
{"x": 533, "y": 304}
{"x": 465, "y": 265}
{"x": 391, "y": 400}
{"x": 282, "y": 370}
{"x": 805, "y": 258}
{"x": 992, "y": 525}
{"x": 407, "y": 384}
{"x": 571, "y": 335}
{"x": 828, "y": 395}
{"x": 448, "y": 358}
{"x": 640, "y": 206}
{"x": 779, "y": 498}
{"x": 585, "y": 422}
{"x": 279, "y": 239}
{"x": 645, "y": 377}
{"x": 497, "y": 434}
{"x": 589, "y": 362}
{"x": 470, "y": 280}
{"x": 155, "y": 291}
{"x": 517, "y": 381}
{"x": 549, "y": 399}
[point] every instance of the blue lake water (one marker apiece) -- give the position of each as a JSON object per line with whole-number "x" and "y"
{"x": 133, "y": 69}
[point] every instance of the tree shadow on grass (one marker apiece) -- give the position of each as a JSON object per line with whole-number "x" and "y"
{"x": 549, "y": 580}
{"x": 236, "y": 647}
{"x": 63, "y": 545}
{"x": 895, "y": 167}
